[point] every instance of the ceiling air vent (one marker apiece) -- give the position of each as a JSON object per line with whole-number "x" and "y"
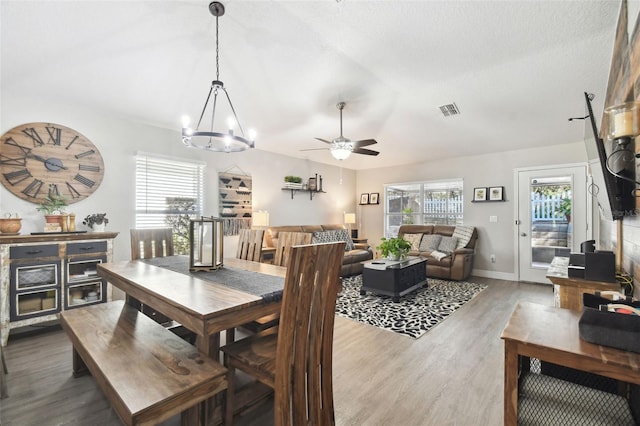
{"x": 449, "y": 110}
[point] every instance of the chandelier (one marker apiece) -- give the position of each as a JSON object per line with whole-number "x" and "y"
{"x": 210, "y": 140}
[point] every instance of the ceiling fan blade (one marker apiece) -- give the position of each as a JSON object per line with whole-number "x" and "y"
{"x": 315, "y": 149}
{"x": 324, "y": 140}
{"x": 364, "y": 151}
{"x": 364, "y": 142}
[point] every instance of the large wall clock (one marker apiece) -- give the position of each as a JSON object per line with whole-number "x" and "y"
{"x": 38, "y": 159}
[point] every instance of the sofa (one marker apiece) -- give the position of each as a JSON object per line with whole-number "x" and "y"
{"x": 449, "y": 249}
{"x": 351, "y": 263}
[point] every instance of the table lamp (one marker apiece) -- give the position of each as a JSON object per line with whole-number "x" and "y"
{"x": 350, "y": 219}
{"x": 260, "y": 219}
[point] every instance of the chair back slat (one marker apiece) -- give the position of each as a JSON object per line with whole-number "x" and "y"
{"x": 150, "y": 243}
{"x": 284, "y": 243}
{"x": 303, "y": 378}
{"x": 250, "y": 244}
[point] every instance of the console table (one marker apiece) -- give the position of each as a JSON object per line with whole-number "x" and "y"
{"x": 568, "y": 291}
{"x": 45, "y": 274}
{"x": 551, "y": 334}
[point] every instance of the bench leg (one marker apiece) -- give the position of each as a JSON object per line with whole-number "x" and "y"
{"x": 79, "y": 367}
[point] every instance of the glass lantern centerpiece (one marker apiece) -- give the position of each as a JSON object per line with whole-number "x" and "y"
{"x": 206, "y": 249}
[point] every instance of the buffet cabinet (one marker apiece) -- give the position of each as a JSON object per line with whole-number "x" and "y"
{"x": 43, "y": 275}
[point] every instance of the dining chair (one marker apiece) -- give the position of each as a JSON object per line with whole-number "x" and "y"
{"x": 250, "y": 244}
{"x": 148, "y": 244}
{"x": 250, "y": 248}
{"x": 296, "y": 361}
{"x": 284, "y": 243}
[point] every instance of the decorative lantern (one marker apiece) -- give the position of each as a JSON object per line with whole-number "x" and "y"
{"x": 206, "y": 249}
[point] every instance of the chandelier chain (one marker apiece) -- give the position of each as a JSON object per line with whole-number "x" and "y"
{"x": 217, "y": 53}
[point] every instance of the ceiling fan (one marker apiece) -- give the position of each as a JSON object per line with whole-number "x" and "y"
{"x": 341, "y": 147}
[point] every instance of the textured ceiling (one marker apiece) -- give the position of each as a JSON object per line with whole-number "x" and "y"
{"x": 515, "y": 69}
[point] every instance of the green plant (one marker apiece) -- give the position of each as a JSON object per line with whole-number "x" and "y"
{"x": 95, "y": 219}
{"x": 407, "y": 215}
{"x": 396, "y": 246}
{"x": 293, "y": 179}
{"x": 564, "y": 210}
{"x": 52, "y": 204}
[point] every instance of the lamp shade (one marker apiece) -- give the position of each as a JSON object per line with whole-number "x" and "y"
{"x": 260, "y": 218}
{"x": 349, "y": 218}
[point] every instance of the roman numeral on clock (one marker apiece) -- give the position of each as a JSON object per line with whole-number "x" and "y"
{"x": 33, "y": 189}
{"x": 53, "y": 189}
{"x": 33, "y": 134}
{"x": 84, "y": 154}
{"x": 18, "y": 176}
{"x": 84, "y": 180}
{"x": 72, "y": 191}
{"x": 88, "y": 168}
{"x": 72, "y": 141}
{"x": 9, "y": 161}
{"x": 54, "y": 134}
{"x": 24, "y": 149}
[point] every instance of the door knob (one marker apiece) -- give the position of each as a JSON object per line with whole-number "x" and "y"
{"x": 524, "y": 234}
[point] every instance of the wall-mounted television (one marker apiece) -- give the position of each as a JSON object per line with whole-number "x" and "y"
{"x": 614, "y": 195}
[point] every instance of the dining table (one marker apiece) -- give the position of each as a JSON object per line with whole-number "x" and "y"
{"x": 205, "y": 303}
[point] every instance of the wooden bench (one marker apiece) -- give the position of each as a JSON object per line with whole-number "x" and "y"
{"x": 148, "y": 373}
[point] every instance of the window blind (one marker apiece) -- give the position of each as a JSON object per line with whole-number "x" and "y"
{"x": 166, "y": 187}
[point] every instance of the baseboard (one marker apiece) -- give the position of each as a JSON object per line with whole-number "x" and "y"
{"x": 508, "y": 276}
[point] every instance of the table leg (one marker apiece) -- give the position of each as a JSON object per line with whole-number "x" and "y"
{"x": 510, "y": 384}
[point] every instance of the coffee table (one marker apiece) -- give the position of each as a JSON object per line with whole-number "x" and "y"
{"x": 394, "y": 278}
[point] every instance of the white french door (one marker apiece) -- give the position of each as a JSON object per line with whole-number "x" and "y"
{"x": 551, "y": 216}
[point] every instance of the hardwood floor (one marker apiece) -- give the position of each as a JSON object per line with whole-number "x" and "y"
{"x": 452, "y": 375}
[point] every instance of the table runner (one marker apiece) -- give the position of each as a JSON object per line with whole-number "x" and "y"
{"x": 268, "y": 287}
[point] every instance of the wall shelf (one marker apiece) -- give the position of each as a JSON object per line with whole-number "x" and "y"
{"x": 311, "y": 192}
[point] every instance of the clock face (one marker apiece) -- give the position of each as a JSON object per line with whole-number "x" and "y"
{"x": 38, "y": 159}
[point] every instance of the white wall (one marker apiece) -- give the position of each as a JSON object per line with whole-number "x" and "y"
{"x": 477, "y": 171}
{"x": 119, "y": 139}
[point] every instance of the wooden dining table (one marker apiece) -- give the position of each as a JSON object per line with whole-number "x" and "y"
{"x": 204, "y": 306}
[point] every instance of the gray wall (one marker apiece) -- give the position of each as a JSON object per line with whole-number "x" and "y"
{"x": 476, "y": 171}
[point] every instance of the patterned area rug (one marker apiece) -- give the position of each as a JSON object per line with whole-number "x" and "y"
{"x": 415, "y": 314}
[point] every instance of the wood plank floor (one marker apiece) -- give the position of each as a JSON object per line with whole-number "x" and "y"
{"x": 452, "y": 375}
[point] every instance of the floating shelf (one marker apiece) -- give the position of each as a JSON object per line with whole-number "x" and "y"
{"x": 311, "y": 192}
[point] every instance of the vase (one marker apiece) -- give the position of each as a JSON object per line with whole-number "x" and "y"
{"x": 98, "y": 227}
{"x": 10, "y": 225}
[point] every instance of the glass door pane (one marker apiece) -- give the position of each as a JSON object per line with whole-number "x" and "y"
{"x": 551, "y": 230}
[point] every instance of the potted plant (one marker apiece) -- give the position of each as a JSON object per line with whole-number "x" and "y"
{"x": 293, "y": 179}
{"x": 394, "y": 248}
{"x": 53, "y": 206}
{"x": 96, "y": 221}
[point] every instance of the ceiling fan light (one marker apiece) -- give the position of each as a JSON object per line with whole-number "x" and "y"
{"x": 340, "y": 153}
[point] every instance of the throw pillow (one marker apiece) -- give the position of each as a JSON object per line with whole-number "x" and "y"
{"x": 332, "y": 237}
{"x": 463, "y": 234}
{"x": 430, "y": 242}
{"x": 414, "y": 240}
{"x": 448, "y": 244}
{"x": 438, "y": 255}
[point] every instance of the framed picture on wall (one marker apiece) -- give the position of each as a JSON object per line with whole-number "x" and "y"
{"x": 373, "y": 198}
{"x": 496, "y": 193}
{"x": 364, "y": 198}
{"x": 480, "y": 194}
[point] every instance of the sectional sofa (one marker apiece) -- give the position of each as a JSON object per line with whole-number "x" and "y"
{"x": 353, "y": 256}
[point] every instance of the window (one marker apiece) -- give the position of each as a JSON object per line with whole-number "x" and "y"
{"x": 439, "y": 202}
{"x": 168, "y": 194}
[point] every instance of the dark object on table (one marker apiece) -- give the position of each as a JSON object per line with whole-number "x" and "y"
{"x": 576, "y": 265}
{"x": 588, "y": 246}
{"x": 613, "y": 329}
{"x": 600, "y": 266}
